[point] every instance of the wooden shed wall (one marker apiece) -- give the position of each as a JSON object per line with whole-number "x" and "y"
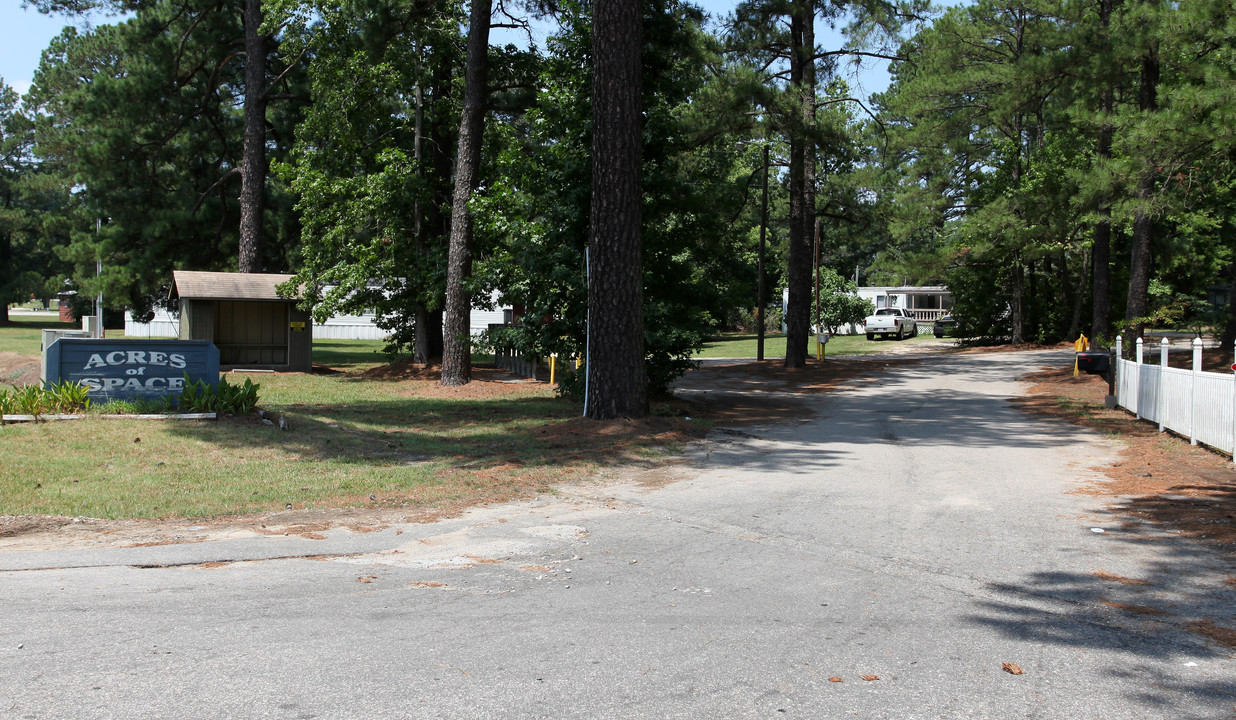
{"x": 197, "y": 320}
{"x": 251, "y": 333}
{"x": 300, "y": 341}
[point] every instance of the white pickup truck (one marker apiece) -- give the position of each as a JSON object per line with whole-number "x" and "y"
{"x": 891, "y": 321}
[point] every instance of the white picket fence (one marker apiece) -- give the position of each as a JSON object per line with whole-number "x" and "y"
{"x": 1196, "y": 404}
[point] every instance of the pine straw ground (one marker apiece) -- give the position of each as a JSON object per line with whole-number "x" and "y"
{"x": 1160, "y": 477}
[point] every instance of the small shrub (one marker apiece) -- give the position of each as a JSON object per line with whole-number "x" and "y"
{"x": 117, "y": 407}
{"x": 743, "y": 320}
{"x": 29, "y": 400}
{"x": 67, "y": 397}
{"x": 236, "y": 399}
{"x": 197, "y": 396}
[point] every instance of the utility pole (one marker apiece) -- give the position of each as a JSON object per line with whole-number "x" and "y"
{"x": 760, "y": 300}
{"x": 98, "y": 271}
{"x": 817, "y": 288}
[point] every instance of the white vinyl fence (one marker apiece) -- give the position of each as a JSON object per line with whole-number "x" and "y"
{"x": 1194, "y": 403}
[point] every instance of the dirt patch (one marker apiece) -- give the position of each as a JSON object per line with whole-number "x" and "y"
{"x": 27, "y": 533}
{"x": 18, "y": 370}
{"x": 13, "y": 525}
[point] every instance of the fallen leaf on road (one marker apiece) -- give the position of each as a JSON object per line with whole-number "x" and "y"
{"x": 869, "y": 678}
{"x": 835, "y": 679}
{"x": 1012, "y": 668}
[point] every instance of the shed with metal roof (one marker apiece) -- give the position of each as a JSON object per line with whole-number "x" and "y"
{"x": 244, "y": 315}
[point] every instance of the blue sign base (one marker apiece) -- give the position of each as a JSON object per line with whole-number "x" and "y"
{"x": 131, "y": 369}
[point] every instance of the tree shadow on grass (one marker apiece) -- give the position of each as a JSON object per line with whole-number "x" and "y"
{"x": 463, "y": 434}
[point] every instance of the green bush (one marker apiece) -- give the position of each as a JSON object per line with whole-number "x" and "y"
{"x": 67, "y": 397}
{"x": 61, "y": 397}
{"x": 197, "y": 396}
{"x": 237, "y": 399}
{"x": 743, "y": 320}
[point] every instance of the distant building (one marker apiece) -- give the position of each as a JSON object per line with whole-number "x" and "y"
{"x": 925, "y": 303}
{"x": 339, "y": 327}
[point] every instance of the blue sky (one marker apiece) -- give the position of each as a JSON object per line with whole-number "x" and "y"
{"x": 25, "y": 33}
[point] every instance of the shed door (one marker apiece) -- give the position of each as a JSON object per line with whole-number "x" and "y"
{"x": 251, "y": 333}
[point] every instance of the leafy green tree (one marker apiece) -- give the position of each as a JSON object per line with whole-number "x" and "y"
{"x": 140, "y": 117}
{"x": 29, "y": 206}
{"x": 372, "y": 164}
{"x": 981, "y": 125}
{"x": 839, "y": 303}
{"x": 259, "y": 44}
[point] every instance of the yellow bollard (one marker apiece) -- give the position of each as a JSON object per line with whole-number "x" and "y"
{"x": 553, "y": 361}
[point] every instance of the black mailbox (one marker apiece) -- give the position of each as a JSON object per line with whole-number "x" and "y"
{"x": 1094, "y": 363}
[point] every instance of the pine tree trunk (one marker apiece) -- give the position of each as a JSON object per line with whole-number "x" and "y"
{"x": 1100, "y": 320}
{"x": 617, "y": 379}
{"x": 1019, "y": 301}
{"x": 1228, "y": 338}
{"x": 802, "y": 186}
{"x": 253, "y": 162}
{"x": 457, "y": 340}
{"x": 6, "y": 259}
{"x": 1079, "y": 295}
{"x": 1143, "y": 225}
{"x": 1138, "y": 306}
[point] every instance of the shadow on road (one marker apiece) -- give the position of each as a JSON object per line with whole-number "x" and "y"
{"x": 1178, "y": 610}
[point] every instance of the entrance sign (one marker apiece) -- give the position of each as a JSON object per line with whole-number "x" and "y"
{"x": 131, "y": 369}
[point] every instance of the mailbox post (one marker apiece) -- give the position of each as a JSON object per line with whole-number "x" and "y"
{"x": 820, "y": 341}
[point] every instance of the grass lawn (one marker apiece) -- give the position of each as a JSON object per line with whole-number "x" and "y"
{"x": 25, "y": 337}
{"x": 739, "y": 345}
{"x": 356, "y": 438}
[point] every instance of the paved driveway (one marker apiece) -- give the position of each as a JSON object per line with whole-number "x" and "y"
{"x": 916, "y": 529}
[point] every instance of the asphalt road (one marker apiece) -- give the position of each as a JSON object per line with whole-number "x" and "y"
{"x": 917, "y": 529}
